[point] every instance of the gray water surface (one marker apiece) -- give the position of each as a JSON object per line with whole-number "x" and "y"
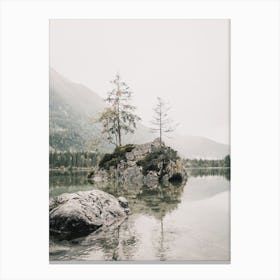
{"x": 175, "y": 223}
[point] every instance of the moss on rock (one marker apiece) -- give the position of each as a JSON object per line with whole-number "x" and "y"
{"x": 157, "y": 160}
{"x": 115, "y": 158}
{"x": 149, "y": 164}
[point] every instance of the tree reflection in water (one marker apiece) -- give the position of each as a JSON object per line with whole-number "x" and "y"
{"x": 197, "y": 172}
{"x": 120, "y": 242}
{"x": 158, "y": 202}
{"x": 123, "y": 241}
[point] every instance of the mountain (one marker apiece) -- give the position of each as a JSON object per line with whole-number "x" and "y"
{"x": 198, "y": 147}
{"x": 73, "y": 108}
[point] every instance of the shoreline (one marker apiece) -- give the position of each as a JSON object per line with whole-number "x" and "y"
{"x": 224, "y": 167}
{"x": 79, "y": 169}
{"x": 75, "y": 169}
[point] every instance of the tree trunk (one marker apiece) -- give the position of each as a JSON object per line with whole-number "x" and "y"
{"x": 119, "y": 126}
{"x": 119, "y": 134}
{"x": 160, "y": 128}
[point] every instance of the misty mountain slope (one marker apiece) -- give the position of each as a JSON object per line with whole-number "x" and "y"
{"x": 71, "y": 109}
{"x": 198, "y": 147}
{"x": 73, "y": 106}
{"x": 78, "y": 97}
{"x": 187, "y": 145}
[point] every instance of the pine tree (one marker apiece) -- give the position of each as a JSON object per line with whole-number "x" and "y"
{"x": 119, "y": 118}
{"x": 161, "y": 123}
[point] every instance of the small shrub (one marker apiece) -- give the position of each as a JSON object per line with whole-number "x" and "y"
{"x": 115, "y": 158}
{"x": 162, "y": 155}
{"x": 124, "y": 149}
{"x": 106, "y": 158}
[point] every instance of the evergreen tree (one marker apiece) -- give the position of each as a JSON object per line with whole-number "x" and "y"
{"x": 161, "y": 123}
{"x": 227, "y": 161}
{"x": 119, "y": 118}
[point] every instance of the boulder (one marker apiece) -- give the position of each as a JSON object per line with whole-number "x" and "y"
{"x": 141, "y": 150}
{"x": 176, "y": 171}
{"x": 78, "y": 214}
{"x": 144, "y": 164}
{"x": 165, "y": 180}
{"x": 151, "y": 179}
{"x": 132, "y": 175}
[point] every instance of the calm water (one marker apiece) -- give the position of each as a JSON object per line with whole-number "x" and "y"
{"x": 175, "y": 223}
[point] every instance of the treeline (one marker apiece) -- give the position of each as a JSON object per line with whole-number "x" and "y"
{"x": 206, "y": 163}
{"x": 201, "y": 172}
{"x": 73, "y": 159}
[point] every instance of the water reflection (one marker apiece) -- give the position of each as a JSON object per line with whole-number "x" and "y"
{"x": 167, "y": 222}
{"x": 159, "y": 200}
{"x": 157, "y": 203}
{"x": 197, "y": 172}
{"x": 67, "y": 182}
{"x": 67, "y": 178}
{"x": 118, "y": 242}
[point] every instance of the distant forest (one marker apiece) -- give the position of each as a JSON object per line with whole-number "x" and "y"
{"x": 204, "y": 163}
{"x": 74, "y": 160}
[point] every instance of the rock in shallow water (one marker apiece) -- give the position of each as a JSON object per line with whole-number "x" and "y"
{"x": 145, "y": 164}
{"x": 78, "y": 214}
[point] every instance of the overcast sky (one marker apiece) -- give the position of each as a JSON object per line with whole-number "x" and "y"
{"x": 186, "y": 62}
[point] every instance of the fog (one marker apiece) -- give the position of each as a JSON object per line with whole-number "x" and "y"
{"x": 186, "y": 62}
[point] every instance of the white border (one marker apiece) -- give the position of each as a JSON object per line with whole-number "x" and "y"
{"x": 254, "y": 130}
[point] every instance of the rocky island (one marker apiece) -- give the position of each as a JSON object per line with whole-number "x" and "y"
{"x": 146, "y": 164}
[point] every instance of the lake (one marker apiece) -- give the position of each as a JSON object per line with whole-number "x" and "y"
{"x": 190, "y": 222}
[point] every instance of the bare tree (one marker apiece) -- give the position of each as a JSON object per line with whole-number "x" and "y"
{"x": 161, "y": 123}
{"x": 119, "y": 117}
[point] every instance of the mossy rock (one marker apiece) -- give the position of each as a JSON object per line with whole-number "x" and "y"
{"x": 116, "y": 157}
{"x": 157, "y": 160}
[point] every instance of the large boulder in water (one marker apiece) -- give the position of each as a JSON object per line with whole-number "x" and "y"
{"x": 78, "y": 214}
{"x": 146, "y": 164}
